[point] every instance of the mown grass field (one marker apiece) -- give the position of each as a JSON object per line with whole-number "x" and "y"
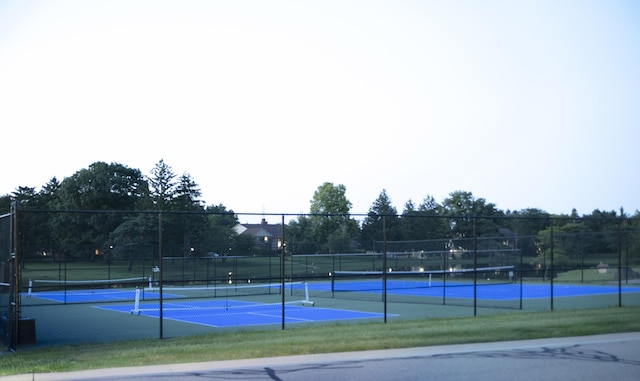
{"x": 337, "y": 337}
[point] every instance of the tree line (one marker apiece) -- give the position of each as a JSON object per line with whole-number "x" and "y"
{"x": 462, "y": 222}
{"x": 68, "y": 218}
{"x": 73, "y": 214}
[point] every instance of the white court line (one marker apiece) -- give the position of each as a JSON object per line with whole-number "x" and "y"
{"x": 277, "y": 316}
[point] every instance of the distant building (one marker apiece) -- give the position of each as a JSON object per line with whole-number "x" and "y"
{"x": 603, "y": 268}
{"x": 264, "y": 234}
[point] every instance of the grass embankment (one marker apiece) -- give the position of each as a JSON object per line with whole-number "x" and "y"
{"x": 322, "y": 339}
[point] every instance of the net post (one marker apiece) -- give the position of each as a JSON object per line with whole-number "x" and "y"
{"x": 30, "y": 287}
{"x": 306, "y": 295}
{"x": 136, "y": 304}
{"x": 333, "y": 284}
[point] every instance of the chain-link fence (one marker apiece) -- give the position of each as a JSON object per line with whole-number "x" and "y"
{"x": 94, "y": 276}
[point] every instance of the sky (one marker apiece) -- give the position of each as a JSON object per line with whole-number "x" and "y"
{"x": 527, "y": 104}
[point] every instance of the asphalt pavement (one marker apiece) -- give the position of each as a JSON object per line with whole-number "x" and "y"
{"x": 604, "y": 357}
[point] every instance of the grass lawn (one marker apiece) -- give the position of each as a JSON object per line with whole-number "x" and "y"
{"x": 590, "y": 276}
{"x": 337, "y": 337}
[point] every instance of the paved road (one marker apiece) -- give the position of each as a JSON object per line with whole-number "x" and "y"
{"x": 603, "y": 357}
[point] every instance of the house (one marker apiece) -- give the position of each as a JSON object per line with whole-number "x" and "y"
{"x": 264, "y": 234}
{"x": 603, "y": 268}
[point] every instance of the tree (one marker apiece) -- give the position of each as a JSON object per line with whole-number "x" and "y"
{"x": 604, "y": 228}
{"x": 39, "y": 223}
{"x": 220, "y": 236}
{"x": 372, "y": 226}
{"x": 191, "y": 228}
{"x": 49, "y": 193}
{"x": 135, "y": 238}
{"x": 101, "y": 187}
{"x": 35, "y": 234}
{"x": 5, "y": 204}
{"x": 632, "y": 238}
{"x": 462, "y": 206}
{"x": 299, "y": 236}
{"x": 23, "y": 195}
{"x": 182, "y": 231}
{"x": 425, "y": 222}
{"x": 525, "y": 225}
{"x": 187, "y": 194}
{"x": 553, "y": 248}
{"x": 331, "y": 224}
{"x": 470, "y": 217}
{"x": 29, "y": 224}
{"x": 162, "y": 185}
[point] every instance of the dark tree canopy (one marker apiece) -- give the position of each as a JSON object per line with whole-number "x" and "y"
{"x": 329, "y": 226}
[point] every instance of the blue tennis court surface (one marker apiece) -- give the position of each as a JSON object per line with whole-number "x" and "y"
{"x": 233, "y": 313}
{"x": 506, "y": 291}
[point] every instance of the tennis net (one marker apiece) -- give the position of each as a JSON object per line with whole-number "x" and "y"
{"x": 92, "y": 291}
{"x": 411, "y": 282}
{"x": 216, "y": 303}
{"x": 343, "y": 280}
{"x": 46, "y": 285}
{"x": 220, "y": 290}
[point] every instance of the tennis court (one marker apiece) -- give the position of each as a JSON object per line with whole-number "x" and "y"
{"x": 221, "y": 306}
{"x": 466, "y": 290}
{"x": 83, "y": 292}
{"x": 119, "y": 290}
{"x": 235, "y": 313}
{"x": 495, "y": 291}
{"x": 92, "y": 314}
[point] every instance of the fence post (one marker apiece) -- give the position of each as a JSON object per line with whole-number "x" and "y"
{"x": 282, "y": 293}
{"x": 475, "y": 269}
{"x": 519, "y": 273}
{"x": 384, "y": 266}
{"x": 552, "y": 265}
{"x": 14, "y": 287}
{"x": 620, "y": 261}
{"x": 160, "y": 272}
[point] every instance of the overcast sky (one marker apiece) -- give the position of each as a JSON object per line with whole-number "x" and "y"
{"x": 523, "y": 103}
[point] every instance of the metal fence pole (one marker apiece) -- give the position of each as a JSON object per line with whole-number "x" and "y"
{"x": 14, "y": 269}
{"x": 160, "y": 272}
{"x": 552, "y": 266}
{"x": 282, "y": 293}
{"x": 384, "y": 267}
{"x": 520, "y": 274}
{"x": 620, "y": 263}
{"x": 475, "y": 269}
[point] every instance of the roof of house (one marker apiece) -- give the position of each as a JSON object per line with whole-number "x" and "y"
{"x": 263, "y": 229}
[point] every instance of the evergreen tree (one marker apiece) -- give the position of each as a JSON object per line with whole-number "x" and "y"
{"x": 162, "y": 185}
{"x": 187, "y": 194}
{"x": 372, "y": 226}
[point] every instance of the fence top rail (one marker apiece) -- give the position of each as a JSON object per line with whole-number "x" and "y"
{"x": 450, "y": 271}
{"x": 402, "y": 253}
{"x": 209, "y": 257}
